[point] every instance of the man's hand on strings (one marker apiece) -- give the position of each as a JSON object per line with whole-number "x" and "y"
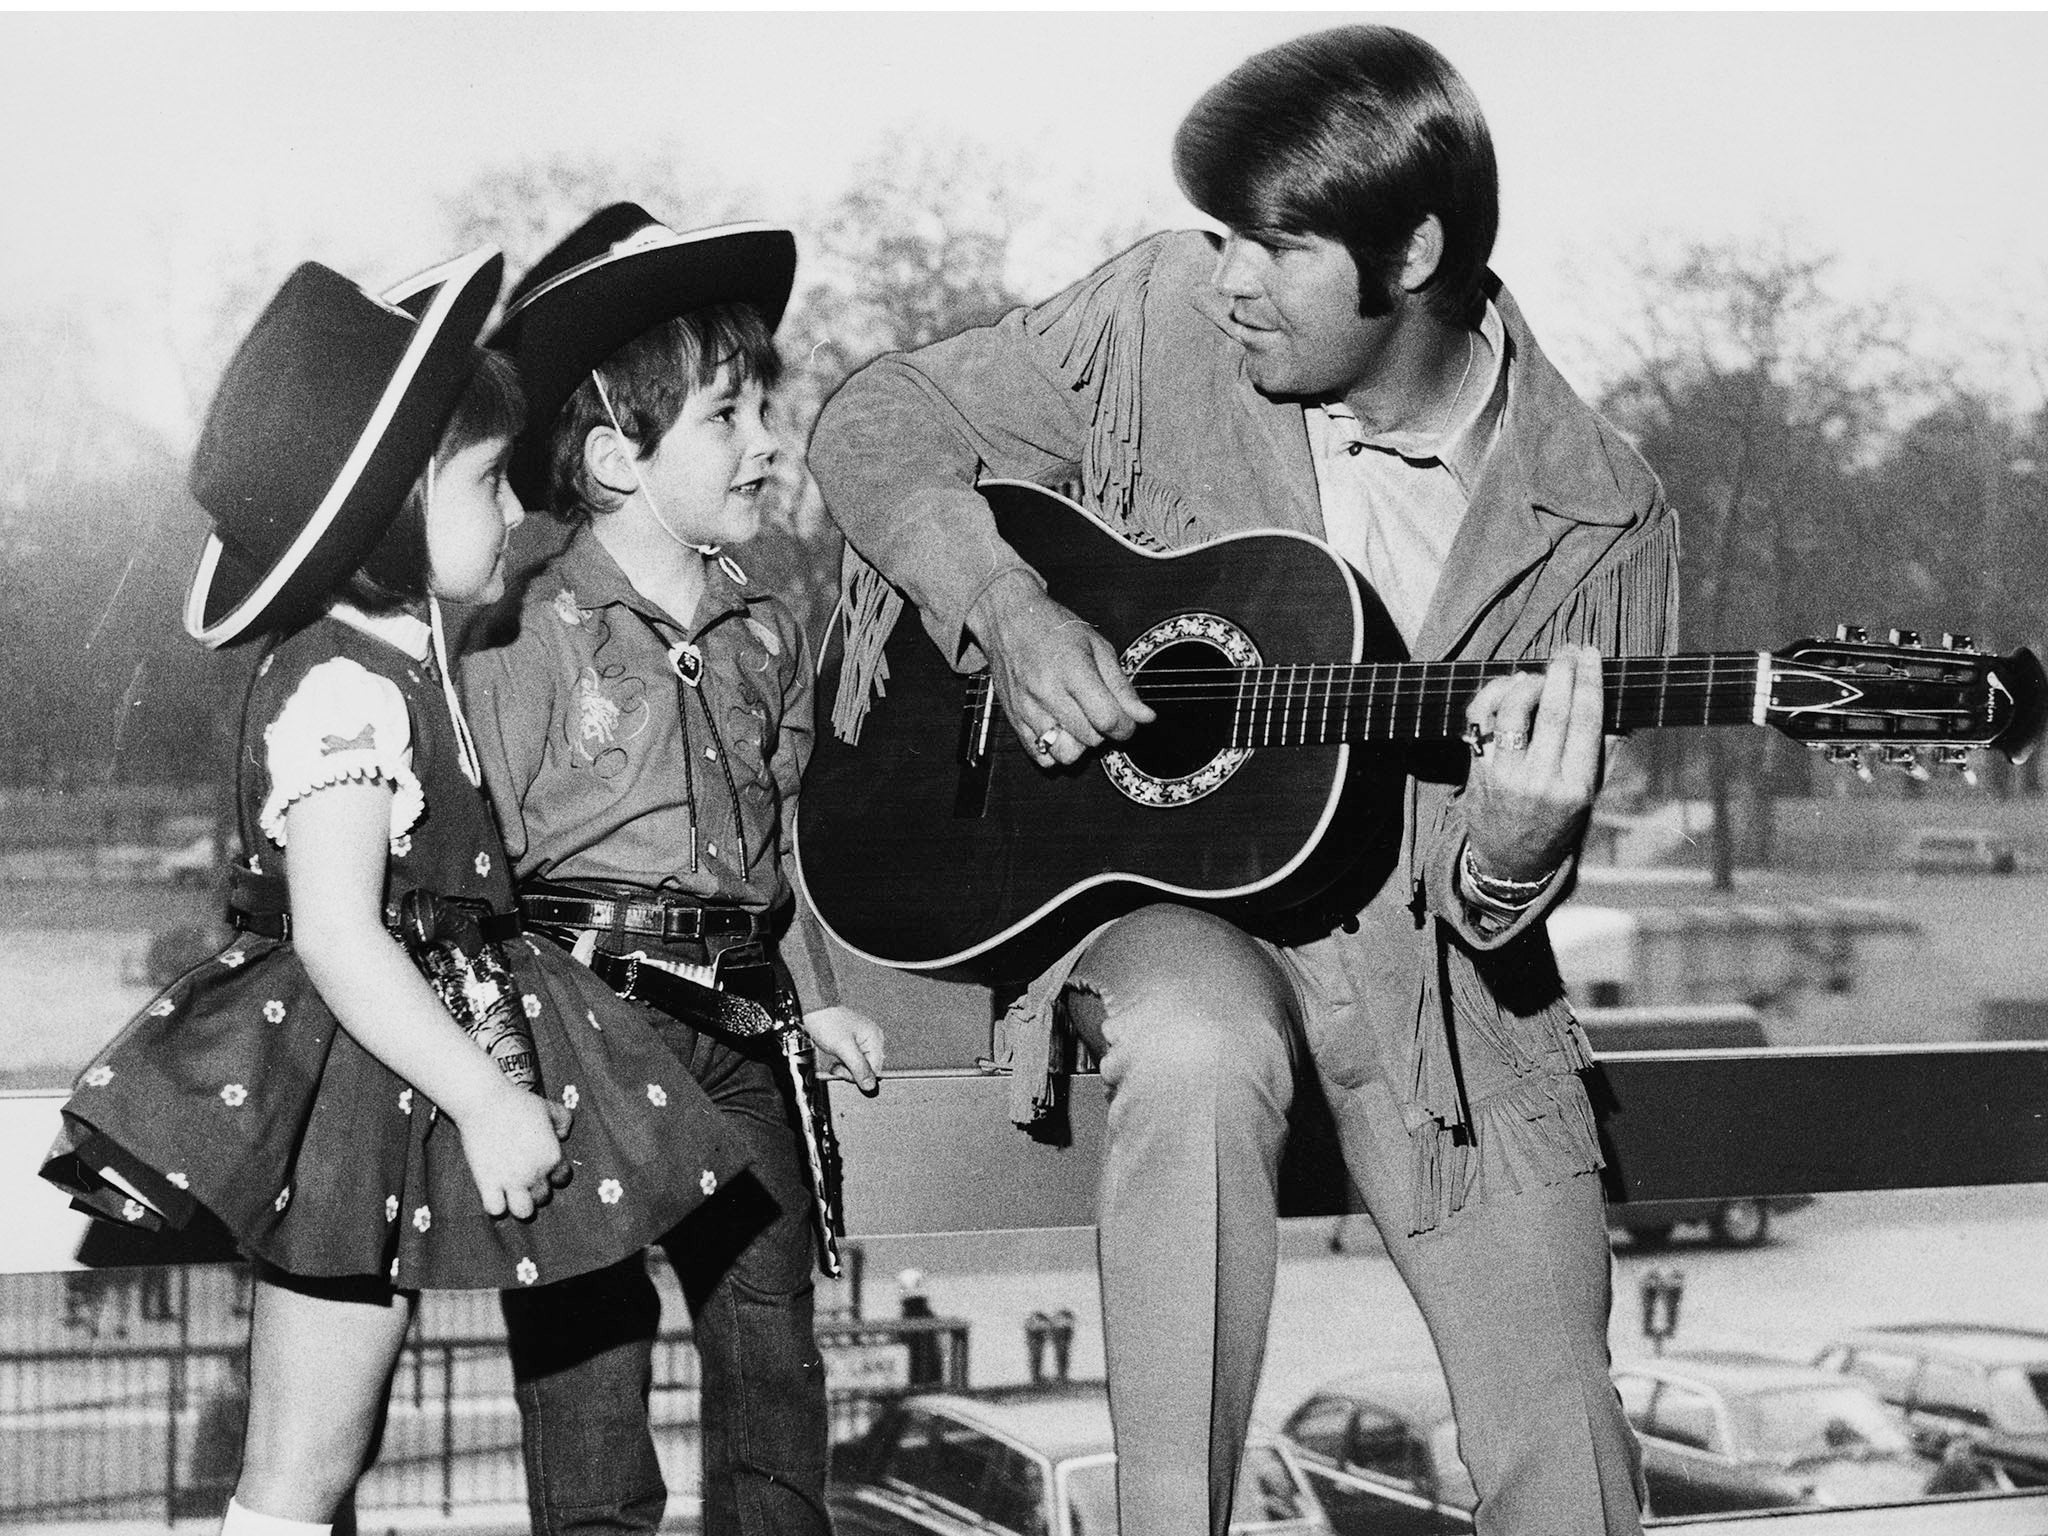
{"x": 1538, "y": 759}
{"x": 1057, "y": 678}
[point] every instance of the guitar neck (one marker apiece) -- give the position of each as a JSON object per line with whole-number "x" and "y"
{"x": 1312, "y": 704}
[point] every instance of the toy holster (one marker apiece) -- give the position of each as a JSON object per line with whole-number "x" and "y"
{"x": 446, "y": 940}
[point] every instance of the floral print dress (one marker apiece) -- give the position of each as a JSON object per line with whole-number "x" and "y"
{"x": 238, "y": 1091}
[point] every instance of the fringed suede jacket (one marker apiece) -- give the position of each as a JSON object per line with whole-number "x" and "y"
{"x": 1128, "y": 383}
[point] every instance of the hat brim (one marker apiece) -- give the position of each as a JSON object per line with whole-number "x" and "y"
{"x": 233, "y": 596}
{"x": 567, "y": 326}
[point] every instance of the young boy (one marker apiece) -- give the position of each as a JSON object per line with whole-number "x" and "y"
{"x": 643, "y": 733}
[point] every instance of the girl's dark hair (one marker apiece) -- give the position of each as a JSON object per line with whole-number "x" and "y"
{"x": 395, "y": 575}
{"x": 1356, "y": 134}
{"x": 648, "y": 380}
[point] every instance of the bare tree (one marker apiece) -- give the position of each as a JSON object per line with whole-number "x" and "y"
{"x": 1757, "y": 397}
{"x": 524, "y": 208}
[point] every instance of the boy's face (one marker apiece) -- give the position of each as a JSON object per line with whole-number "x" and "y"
{"x": 712, "y": 470}
{"x": 470, "y": 510}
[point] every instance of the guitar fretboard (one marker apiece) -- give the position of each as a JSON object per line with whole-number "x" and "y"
{"x": 1314, "y": 704}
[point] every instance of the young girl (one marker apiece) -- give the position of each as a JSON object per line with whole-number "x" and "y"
{"x": 363, "y": 1131}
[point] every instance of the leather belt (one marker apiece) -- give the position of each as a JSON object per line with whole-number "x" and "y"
{"x": 672, "y": 921}
{"x": 261, "y": 904}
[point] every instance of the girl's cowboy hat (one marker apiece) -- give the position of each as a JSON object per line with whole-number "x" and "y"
{"x": 622, "y": 273}
{"x": 325, "y": 418}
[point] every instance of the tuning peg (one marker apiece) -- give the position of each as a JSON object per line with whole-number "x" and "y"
{"x": 1851, "y": 757}
{"x": 1906, "y": 637}
{"x": 1959, "y": 758}
{"x": 1958, "y": 642}
{"x": 1855, "y": 634}
{"x": 1906, "y": 760}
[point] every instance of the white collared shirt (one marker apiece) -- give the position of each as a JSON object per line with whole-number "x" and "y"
{"x": 1392, "y": 504}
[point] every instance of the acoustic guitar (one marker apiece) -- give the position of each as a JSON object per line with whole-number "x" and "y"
{"x": 1267, "y": 787}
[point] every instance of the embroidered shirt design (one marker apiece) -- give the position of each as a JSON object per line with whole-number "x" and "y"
{"x": 364, "y": 740}
{"x": 605, "y": 712}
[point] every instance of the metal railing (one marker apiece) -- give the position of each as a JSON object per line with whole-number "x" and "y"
{"x": 123, "y": 1395}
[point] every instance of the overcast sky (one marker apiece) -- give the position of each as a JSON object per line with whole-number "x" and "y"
{"x": 1910, "y": 146}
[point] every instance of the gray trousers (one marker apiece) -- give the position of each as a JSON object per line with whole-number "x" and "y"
{"x": 1199, "y": 1032}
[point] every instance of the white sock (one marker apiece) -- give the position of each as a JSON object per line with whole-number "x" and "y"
{"x": 241, "y": 1520}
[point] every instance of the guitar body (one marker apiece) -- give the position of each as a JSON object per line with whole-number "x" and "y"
{"x": 919, "y": 858}
{"x": 1268, "y": 790}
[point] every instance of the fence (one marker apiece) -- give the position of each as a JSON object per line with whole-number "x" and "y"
{"x": 122, "y": 1394}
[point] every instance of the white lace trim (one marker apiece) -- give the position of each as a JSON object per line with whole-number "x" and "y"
{"x": 344, "y": 724}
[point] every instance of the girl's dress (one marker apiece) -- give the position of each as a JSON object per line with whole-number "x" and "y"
{"x": 237, "y": 1090}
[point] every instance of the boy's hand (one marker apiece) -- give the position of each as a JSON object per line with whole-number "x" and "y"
{"x": 513, "y": 1143}
{"x": 851, "y": 1042}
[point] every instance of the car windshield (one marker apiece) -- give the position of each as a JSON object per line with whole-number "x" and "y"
{"x": 1267, "y": 1494}
{"x": 1820, "y": 1423}
{"x": 2019, "y": 1401}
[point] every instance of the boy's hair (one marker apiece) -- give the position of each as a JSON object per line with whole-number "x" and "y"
{"x": 1356, "y": 134}
{"x": 395, "y": 575}
{"x": 648, "y": 380}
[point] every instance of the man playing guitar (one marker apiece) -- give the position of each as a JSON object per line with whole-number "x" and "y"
{"x": 1340, "y": 363}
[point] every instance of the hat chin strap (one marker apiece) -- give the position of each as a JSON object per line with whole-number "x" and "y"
{"x": 640, "y": 481}
{"x": 465, "y": 743}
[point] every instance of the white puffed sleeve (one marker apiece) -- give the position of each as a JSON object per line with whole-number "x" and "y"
{"x": 343, "y": 723}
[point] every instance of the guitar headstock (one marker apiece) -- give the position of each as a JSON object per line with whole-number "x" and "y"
{"x": 1905, "y": 704}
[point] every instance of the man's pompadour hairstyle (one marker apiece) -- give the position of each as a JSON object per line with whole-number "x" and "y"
{"x": 1356, "y": 134}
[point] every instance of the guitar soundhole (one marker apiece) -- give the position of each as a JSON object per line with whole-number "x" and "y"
{"x": 1194, "y": 719}
{"x": 1182, "y": 669}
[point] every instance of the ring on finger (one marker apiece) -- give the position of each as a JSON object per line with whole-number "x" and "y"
{"x": 1047, "y": 740}
{"x": 1515, "y": 741}
{"x": 1476, "y": 738}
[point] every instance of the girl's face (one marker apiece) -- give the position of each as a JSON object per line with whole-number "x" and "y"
{"x": 711, "y": 471}
{"x": 470, "y": 510}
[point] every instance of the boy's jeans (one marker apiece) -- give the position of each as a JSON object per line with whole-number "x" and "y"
{"x": 582, "y": 1349}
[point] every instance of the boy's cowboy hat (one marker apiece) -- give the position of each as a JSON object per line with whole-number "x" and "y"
{"x": 325, "y": 418}
{"x": 622, "y": 273}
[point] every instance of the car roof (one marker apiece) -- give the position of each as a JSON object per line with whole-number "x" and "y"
{"x": 1418, "y": 1394}
{"x": 1735, "y": 1370}
{"x": 1980, "y": 1343}
{"x": 1058, "y": 1419}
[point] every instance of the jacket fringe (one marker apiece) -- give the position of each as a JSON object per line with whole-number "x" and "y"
{"x": 1641, "y": 580}
{"x": 868, "y": 610}
{"x": 1101, "y": 330}
{"x": 1538, "y": 1132}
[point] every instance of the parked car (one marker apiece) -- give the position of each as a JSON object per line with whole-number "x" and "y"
{"x": 1025, "y": 1461}
{"x": 1978, "y": 1385}
{"x": 1958, "y": 851}
{"x": 1381, "y": 1452}
{"x": 1741, "y": 1222}
{"x": 1727, "y": 1430}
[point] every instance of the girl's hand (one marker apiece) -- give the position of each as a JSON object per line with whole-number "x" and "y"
{"x": 851, "y": 1042}
{"x": 513, "y": 1143}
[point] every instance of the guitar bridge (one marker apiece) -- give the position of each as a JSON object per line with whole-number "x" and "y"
{"x": 977, "y": 725}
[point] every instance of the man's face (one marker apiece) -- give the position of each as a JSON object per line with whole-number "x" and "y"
{"x": 1294, "y": 310}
